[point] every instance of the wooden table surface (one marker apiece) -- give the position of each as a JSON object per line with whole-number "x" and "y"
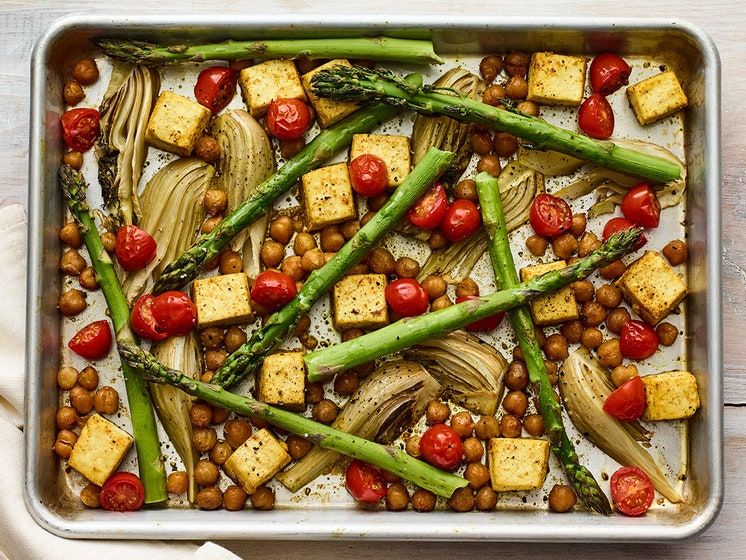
{"x": 22, "y": 22}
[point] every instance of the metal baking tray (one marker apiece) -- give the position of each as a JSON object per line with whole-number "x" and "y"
{"x": 693, "y": 449}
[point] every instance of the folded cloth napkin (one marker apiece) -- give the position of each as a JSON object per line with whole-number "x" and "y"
{"x": 20, "y": 537}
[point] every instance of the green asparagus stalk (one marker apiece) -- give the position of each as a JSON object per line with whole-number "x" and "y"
{"x": 380, "y": 86}
{"x": 149, "y": 459}
{"x": 507, "y": 277}
{"x": 187, "y": 266}
{"x": 392, "y": 459}
{"x": 407, "y": 332}
{"x": 373, "y": 48}
{"x": 248, "y": 357}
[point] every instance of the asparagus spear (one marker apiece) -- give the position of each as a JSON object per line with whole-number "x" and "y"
{"x": 380, "y": 86}
{"x": 507, "y": 277}
{"x": 149, "y": 459}
{"x": 389, "y": 458}
{"x": 374, "y": 48}
{"x": 407, "y": 332}
{"x": 249, "y": 356}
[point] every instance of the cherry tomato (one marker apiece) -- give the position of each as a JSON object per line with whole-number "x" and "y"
{"x": 638, "y": 340}
{"x": 215, "y": 87}
{"x": 365, "y": 482}
{"x": 368, "y": 175}
{"x": 175, "y": 313}
{"x": 135, "y": 247}
{"x": 272, "y": 290}
{"x": 608, "y": 73}
{"x": 80, "y": 128}
{"x": 628, "y": 402}
{"x": 441, "y": 446}
{"x": 429, "y": 211}
{"x": 596, "y": 117}
{"x": 142, "y": 320}
{"x": 407, "y": 297}
{"x": 640, "y": 205}
{"x": 462, "y": 218}
{"x": 122, "y": 492}
{"x": 288, "y": 119}
{"x": 486, "y": 324}
{"x": 615, "y": 225}
{"x": 632, "y": 491}
{"x": 550, "y": 216}
{"x": 93, "y": 341}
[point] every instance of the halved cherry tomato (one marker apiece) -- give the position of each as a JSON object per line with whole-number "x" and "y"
{"x": 441, "y": 446}
{"x": 632, "y": 491}
{"x": 272, "y": 290}
{"x": 365, "y": 482}
{"x": 142, "y": 320}
{"x": 407, "y": 297}
{"x": 640, "y": 205}
{"x": 215, "y": 87}
{"x": 429, "y": 211}
{"x": 368, "y": 175}
{"x": 638, "y": 340}
{"x": 608, "y": 73}
{"x": 135, "y": 247}
{"x": 462, "y": 218}
{"x": 122, "y": 492}
{"x": 93, "y": 341}
{"x": 175, "y": 313}
{"x": 288, "y": 119}
{"x": 596, "y": 117}
{"x": 80, "y": 128}
{"x": 550, "y": 216}
{"x": 615, "y": 225}
{"x": 628, "y": 402}
{"x": 486, "y": 324}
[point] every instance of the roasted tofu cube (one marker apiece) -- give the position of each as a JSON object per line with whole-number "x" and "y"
{"x": 282, "y": 380}
{"x": 175, "y": 123}
{"x": 257, "y": 460}
{"x": 554, "y": 308}
{"x": 359, "y": 301}
{"x": 652, "y": 287}
{"x": 270, "y": 80}
{"x": 328, "y": 111}
{"x": 656, "y": 97}
{"x": 671, "y": 395}
{"x": 327, "y": 196}
{"x": 100, "y": 448}
{"x": 393, "y": 150}
{"x": 222, "y": 300}
{"x": 556, "y": 79}
{"x": 517, "y": 463}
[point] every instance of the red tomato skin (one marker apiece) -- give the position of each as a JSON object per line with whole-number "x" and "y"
{"x": 442, "y": 447}
{"x": 288, "y": 119}
{"x": 462, "y": 219}
{"x": 174, "y": 313}
{"x": 93, "y": 341}
{"x": 428, "y": 212}
{"x": 80, "y": 128}
{"x": 135, "y": 248}
{"x": 486, "y": 324}
{"x": 628, "y": 401}
{"x": 608, "y": 73}
{"x": 407, "y": 297}
{"x": 640, "y": 205}
{"x": 142, "y": 320}
{"x": 368, "y": 175}
{"x": 632, "y": 491}
{"x": 273, "y": 290}
{"x": 365, "y": 482}
{"x": 550, "y": 215}
{"x": 596, "y": 117}
{"x": 215, "y": 87}
{"x": 615, "y": 225}
{"x": 638, "y": 340}
{"x": 123, "y": 491}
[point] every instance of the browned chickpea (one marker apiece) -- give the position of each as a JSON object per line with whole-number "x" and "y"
{"x": 579, "y": 223}
{"x": 437, "y": 412}
{"x": 81, "y": 400}
{"x": 209, "y": 498}
{"x": 220, "y": 452}
{"x": 564, "y": 245}
{"x": 552, "y": 370}
{"x": 377, "y": 202}
{"x": 612, "y": 271}
{"x": 70, "y": 235}
{"x": 230, "y": 262}
{"x": 473, "y": 450}
{"x": 67, "y": 377}
{"x": 441, "y": 303}
{"x": 407, "y": 267}
{"x": 517, "y": 58}
{"x": 360, "y": 268}
{"x": 263, "y": 498}
{"x": 234, "y": 338}
{"x": 572, "y": 331}
{"x": 516, "y": 378}
{"x": 583, "y": 290}
{"x": 423, "y": 500}
{"x": 200, "y": 415}
{"x": 207, "y": 376}
{"x": 609, "y": 353}
{"x": 676, "y": 252}
{"x": 314, "y": 392}
{"x": 290, "y": 148}
{"x": 616, "y": 319}
{"x": 331, "y": 239}
{"x": 207, "y": 149}
{"x": 593, "y": 314}
{"x": 534, "y": 425}
{"x": 281, "y": 229}
{"x": 67, "y": 418}
{"x": 85, "y": 71}
{"x": 489, "y": 67}
{"x": 236, "y": 432}
{"x": 591, "y": 338}
{"x": 528, "y": 108}
{"x": 346, "y": 383}
{"x": 89, "y": 495}
{"x": 517, "y": 87}
{"x": 486, "y": 498}
{"x": 302, "y": 326}
{"x": 204, "y": 439}
{"x": 477, "y": 474}
{"x": 462, "y": 424}
{"x": 487, "y": 427}
{"x": 72, "y": 263}
{"x": 466, "y": 189}
{"x": 72, "y": 302}
{"x": 292, "y": 267}
{"x": 298, "y": 447}
{"x": 303, "y": 243}
{"x": 106, "y": 400}
{"x": 588, "y": 243}
{"x": 518, "y": 353}
{"x": 65, "y": 442}
{"x": 351, "y": 334}
{"x": 349, "y": 229}
{"x": 494, "y": 95}
{"x": 215, "y": 358}
{"x": 397, "y": 497}
{"x": 271, "y": 253}
{"x": 412, "y": 446}
{"x": 505, "y": 144}
{"x": 109, "y": 241}
{"x": 381, "y": 261}
{"x": 88, "y": 279}
{"x": 562, "y": 498}
{"x": 516, "y": 403}
{"x": 467, "y": 287}
{"x": 177, "y": 482}
{"x": 555, "y": 347}
{"x": 434, "y": 286}
{"x": 481, "y": 143}
{"x": 510, "y": 426}
{"x": 621, "y": 374}
{"x": 489, "y": 164}
{"x": 667, "y": 333}
{"x": 210, "y": 224}
{"x": 537, "y": 245}
{"x": 212, "y": 338}
{"x": 88, "y": 378}
{"x": 312, "y": 260}
{"x": 206, "y": 473}
{"x": 436, "y": 241}
{"x": 219, "y": 415}
{"x": 325, "y": 411}
{"x": 609, "y": 296}
{"x": 73, "y": 159}
{"x": 462, "y": 500}
{"x": 234, "y": 498}
{"x": 368, "y": 216}
{"x": 72, "y": 92}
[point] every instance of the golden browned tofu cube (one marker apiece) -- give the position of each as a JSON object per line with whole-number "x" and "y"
{"x": 257, "y": 460}
{"x": 393, "y": 150}
{"x": 553, "y": 308}
{"x": 656, "y": 97}
{"x": 359, "y": 301}
{"x": 222, "y": 300}
{"x": 282, "y": 380}
{"x": 652, "y": 287}
{"x": 100, "y": 448}
{"x": 270, "y": 80}
{"x": 327, "y": 196}
{"x": 517, "y": 463}
{"x": 556, "y": 79}
{"x": 328, "y": 111}
{"x": 175, "y": 123}
{"x": 671, "y": 395}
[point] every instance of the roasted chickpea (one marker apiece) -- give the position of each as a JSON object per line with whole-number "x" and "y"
{"x": 609, "y": 296}
{"x": 236, "y": 432}
{"x": 88, "y": 279}
{"x": 518, "y": 353}
{"x": 70, "y": 235}
{"x": 467, "y": 287}
{"x": 65, "y": 442}
{"x": 485, "y": 498}
{"x": 555, "y": 347}
{"x": 616, "y": 318}
{"x": 346, "y": 383}
{"x": 397, "y": 497}
{"x": 591, "y": 338}
{"x": 612, "y": 271}
{"x": 516, "y": 378}
{"x": 212, "y": 338}
{"x": 325, "y": 411}
{"x": 583, "y": 290}
{"x": 290, "y": 148}
{"x": 210, "y": 224}
{"x": 220, "y": 452}
{"x": 487, "y": 427}
{"x": 564, "y": 245}
{"x": 351, "y": 334}
{"x": 562, "y": 498}
{"x": 368, "y": 216}
{"x": 207, "y": 376}
{"x": 204, "y": 439}
{"x": 412, "y": 446}
{"x": 434, "y": 286}
{"x": 209, "y": 498}
{"x": 271, "y": 253}
{"x": 88, "y": 378}
{"x": 588, "y": 243}
{"x": 477, "y": 474}
{"x": 466, "y": 189}
{"x": 510, "y": 426}
{"x": 676, "y": 252}
{"x": 505, "y": 144}
{"x": 473, "y": 450}
{"x": 441, "y": 303}
{"x": 332, "y": 239}
{"x": 230, "y": 262}
{"x": 462, "y": 424}
{"x": 206, "y": 473}
{"x": 200, "y": 415}
{"x": 436, "y": 241}
{"x": 579, "y": 223}
{"x": 312, "y": 260}
{"x": 298, "y": 447}
{"x": 552, "y": 371}
{"x": 81, "y": 400}
{"x": 72, "y": 263}
{"x": 381, "y": 261}
{"x": 72, "y": 92}
{"x": 234, "y": 498}
{"x": 89, "y": 495}
{"x": 177, "y": 482}
{"x": 489, "y": 164}
{"x": 407, "y": 267}
{"x": 481, "y": 143}
{"x": 517, "y": 87}
{"x": 517, "y": 58}
{"x": 72, "y": 302}
{"x": 593, "y": 314}
{"x": 263, "y": 498}
{"x": 281, "y": 229}
{"x": 67, "y": 418}
{"x": 292, "y": 267}
{"x": 214, "y": 359}
{"x": 85, "y": 71}
{"x": 572, "y": 331}
{"x": 303, "y": 243}
{"x": 462, "y": 500}
{"x": 534, "y": 425}
{"x": 494, "y": 95}
{"x": 537, "y": 245}
{"x": 423, "y": 500}
{"x": 377, "y": 202}
{"x": 106, "y": 400}
{"x": 437, "y": 412}
{"x": 609, "y": 353}
{"x": 314, "y": 392}
{"x": 73, "y": 159}
{"x": 667, "y": 333}
{"x": 67, "y": 377}
{"x": 621, "y": 374}
{"x": 207, "y": 149}
{"x": 109, "y": 241}
{"x": 360, "y": 268}
{"x": 219, "y": 415}
{"x": 516, "y": 403}
{"x": 528, "y": 108}
{"x": 349, "y": 229}
{"x": 489, "y": 67}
